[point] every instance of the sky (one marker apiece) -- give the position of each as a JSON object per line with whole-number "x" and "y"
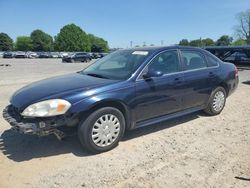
{"x": 121, "y": 21}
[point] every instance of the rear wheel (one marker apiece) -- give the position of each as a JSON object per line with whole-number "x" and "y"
{"x": 102, "y": 130}
{"x": 87, "y": 60}
{"x": 216, "y": 102}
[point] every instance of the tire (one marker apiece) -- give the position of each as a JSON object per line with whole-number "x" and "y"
{"x": 213, "y": 107}
{"x": 87, "y": 60}
{"x": 102, "y": 122}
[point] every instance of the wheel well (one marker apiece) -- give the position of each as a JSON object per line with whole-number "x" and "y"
{"x": 114, "y": 104}
{"x": 225, "y": 86}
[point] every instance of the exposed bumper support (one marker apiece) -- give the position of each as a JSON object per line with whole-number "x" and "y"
{"x": 35, "y": 126}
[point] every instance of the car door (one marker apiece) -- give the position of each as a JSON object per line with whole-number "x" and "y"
{"x": 197, "y": 78}
{"x": 157, "y": 96}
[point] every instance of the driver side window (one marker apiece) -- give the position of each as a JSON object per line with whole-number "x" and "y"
{"x": 166, "y": 62}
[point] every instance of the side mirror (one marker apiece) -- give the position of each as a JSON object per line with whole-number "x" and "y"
{"x": 152, "y": 73}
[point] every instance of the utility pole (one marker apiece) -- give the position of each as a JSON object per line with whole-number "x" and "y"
{"x": 131, "y": 44}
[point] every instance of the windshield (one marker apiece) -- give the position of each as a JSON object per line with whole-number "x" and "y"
{"x": 119, "y": 65}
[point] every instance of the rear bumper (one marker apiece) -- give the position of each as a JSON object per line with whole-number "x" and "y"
{"x": 34, "y": 126}
{"x": 233, "y": 85}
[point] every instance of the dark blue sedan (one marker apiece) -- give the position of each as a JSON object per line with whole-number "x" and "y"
{"x": 124, "y": 90}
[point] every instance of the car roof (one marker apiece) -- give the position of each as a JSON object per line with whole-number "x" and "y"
{"x": 156, "y": 49}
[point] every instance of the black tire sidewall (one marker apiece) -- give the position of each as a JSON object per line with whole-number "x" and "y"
{"x": 211, "y": 109}
{"x": 85, "y": 129}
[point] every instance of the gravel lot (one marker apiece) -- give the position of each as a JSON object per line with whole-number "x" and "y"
{"x": 192, "y": 151}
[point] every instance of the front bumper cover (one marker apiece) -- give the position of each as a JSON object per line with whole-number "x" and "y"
{"x": 35, "y": 126}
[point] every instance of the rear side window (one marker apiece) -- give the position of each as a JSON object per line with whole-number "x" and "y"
{"x": 211, "y": 62}
{"x": 192, "y": 60}
{"x": 231, "y": 57}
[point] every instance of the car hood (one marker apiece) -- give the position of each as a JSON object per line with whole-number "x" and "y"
{"x": 57, "y": 86}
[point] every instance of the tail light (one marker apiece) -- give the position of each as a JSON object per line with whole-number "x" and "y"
{"x": 236, "y": 72}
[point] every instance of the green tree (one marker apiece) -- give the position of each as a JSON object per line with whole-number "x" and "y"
{"x": 207, "y": 42}
{"x": 196, "y": 42}
{"x": 239, "y": 42}
{"x": 6, "y": 43}
{"x": 243, "y": 29}
{"x": 23, "y": 43}
{"x": 184, "y": 42}
{"x": 97, "y": 44}
{"x": 224, "y": 40}
{"x": 72, "y": 38}
{"x": 41, "y": 41}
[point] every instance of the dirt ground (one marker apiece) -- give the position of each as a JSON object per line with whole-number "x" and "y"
{"x": 192, "y": 151}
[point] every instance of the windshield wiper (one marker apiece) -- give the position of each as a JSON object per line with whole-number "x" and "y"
{"x": 97, "y": 75}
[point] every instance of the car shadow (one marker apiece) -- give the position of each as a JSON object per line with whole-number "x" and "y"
{"x": 246, "y": 82}
{"x": 18, "y": 147}
{"x": 160, "y": 126}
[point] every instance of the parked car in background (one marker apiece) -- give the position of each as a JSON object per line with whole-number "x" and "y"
{"x": 238, "y": 55}
{"x": 45, "y": 55}
{"x": 239, "y": 58}
{"x": 77, "y": 57}
{"x": 103, "y": 54}
{"x": 32, "y": 55}
{"x": 64, "y": 54}
{"x": 55, "y": 55}
{"x": 20, "y": 54}
{"x": 91, "y": 55}
{"x": 8, "y": 55}
{"x": 96, "y": 55}
{"x": 125, "y": 90}
{"x": 1, "y": 54}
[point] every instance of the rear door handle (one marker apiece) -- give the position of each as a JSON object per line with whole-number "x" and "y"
{"x": 177, "y": 80}
{"x": 211, "y": 75}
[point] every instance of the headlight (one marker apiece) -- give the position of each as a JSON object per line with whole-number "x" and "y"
{"x": 47, "y": 108}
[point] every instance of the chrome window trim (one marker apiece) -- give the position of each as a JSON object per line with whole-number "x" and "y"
{"x": 180, "y": 64}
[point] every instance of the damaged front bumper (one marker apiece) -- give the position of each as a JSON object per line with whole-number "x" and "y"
{"x": 36, "y": 126}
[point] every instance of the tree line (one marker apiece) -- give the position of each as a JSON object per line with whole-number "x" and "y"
{"x": 71, "y": 38}
{"x": 224, "y": 40}
{"x": 242, "y": 31}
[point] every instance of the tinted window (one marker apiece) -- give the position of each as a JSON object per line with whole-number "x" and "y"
{"x": 80, "y": 54}
{"x": 193, "y": 60}
{"x": 166, "y": 62}
{"x": 211, "y": 62}
{"x": 242, "y": 56}
{"x": 231, "y": 57}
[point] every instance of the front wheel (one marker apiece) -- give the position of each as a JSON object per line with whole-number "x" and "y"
{"x": 216, "y": 101}
{"x": 102, "y": 130}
